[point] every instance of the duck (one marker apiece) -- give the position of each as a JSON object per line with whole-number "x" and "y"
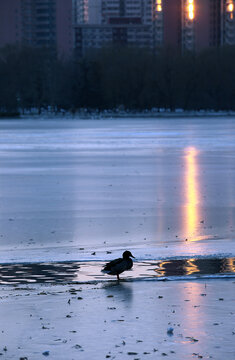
{"x": 117, "y": 266}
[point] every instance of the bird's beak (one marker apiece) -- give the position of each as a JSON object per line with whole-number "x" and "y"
{"x": 132, "y": 256}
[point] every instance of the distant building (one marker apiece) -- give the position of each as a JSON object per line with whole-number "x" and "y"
{"x": 192, "y": 25}
{"x": 207, "y": 24}
{"x": 187, "y": 25}
{"x": 228, "y": 21}
{"x": 172, "y": 23}
{"x": 120, "y": 22}
{"x": 87, "y": 11}
{"x": 37, "y": 23}
{"x": 97, "y": 36}
{"x": 142, "y": 9}
{"x": 10, "y": 22}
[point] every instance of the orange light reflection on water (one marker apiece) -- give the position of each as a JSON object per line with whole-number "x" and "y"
{"x": 230, "y": 265}
{"x": 192, "y": 295}
{"x": 182, "y": 267}
{"x": 191, "y": 267}
{"x": 192, "y": 194}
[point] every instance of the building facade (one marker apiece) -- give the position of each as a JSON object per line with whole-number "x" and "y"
{"x": 10, "y": 22}
{"x": 89, "y": 37}
{"x": 120, "y": 22}
{"x": 187, "y": 25}
{"x": 87, "y": 11}
{"x": 40, "y": 23}
{"x": 195, "y": 25}
{"x": 228, "y": 28}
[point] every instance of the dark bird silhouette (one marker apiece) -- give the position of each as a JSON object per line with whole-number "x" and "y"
{"x": 117, "y": 266}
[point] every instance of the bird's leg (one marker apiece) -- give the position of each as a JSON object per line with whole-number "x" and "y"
{"x": 118, "y": 277}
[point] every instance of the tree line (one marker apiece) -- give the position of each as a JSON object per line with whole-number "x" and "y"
{"x": 133, "y": 78}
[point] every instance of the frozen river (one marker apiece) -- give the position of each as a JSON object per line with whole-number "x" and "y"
{"x": 77, "y": 189}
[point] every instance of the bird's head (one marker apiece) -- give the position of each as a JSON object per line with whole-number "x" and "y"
{"x": 127, "y": 254}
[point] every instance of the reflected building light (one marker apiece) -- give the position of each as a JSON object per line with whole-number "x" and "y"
{"x": 188, "y": 25}
{"x": 191, "y": 215}
{"x": 191, "y": 267}
{"x": 190, "y": 9}
{"x": 230, "y": 265}
{"x": 163, "y": 266}
{"x": 230, "y": 8}
{"x": 158, "y": 5}
{"x": 186, "y": 267}
{"x": 177, "y": 268}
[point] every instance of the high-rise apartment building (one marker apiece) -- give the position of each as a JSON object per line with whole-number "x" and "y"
{"x": 142, "y": 9}
{"x": 123, "y": 22}
{"x": 37, "y": 23}
{"x": 208, "y": 22}
{"x": 10, "y": 22}
{"x": 228, "y": 17}
{"x": 172, "y": 22}
{"x": 188, "y": 25}
{"x": 87, "y": 11}
{"x": 194, "y": 25}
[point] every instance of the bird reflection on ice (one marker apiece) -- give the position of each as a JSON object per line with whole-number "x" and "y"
{"x": 119, "y": 288}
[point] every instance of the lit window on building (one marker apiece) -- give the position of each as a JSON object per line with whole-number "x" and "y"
{"x": 158, "y": 5}
{"x": 190, "y": 9}
{"x": 230, "y": 8}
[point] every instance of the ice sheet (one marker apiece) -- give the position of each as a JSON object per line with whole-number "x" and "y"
{"x": 160, "y": 187}
{"x": 129, "y": 320}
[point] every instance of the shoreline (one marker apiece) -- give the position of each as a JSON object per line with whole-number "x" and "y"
{"x": 90, "y": 272}
{"x": 109, "y": 114}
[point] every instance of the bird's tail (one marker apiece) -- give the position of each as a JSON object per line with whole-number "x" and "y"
{"x": 105, "y": 271}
